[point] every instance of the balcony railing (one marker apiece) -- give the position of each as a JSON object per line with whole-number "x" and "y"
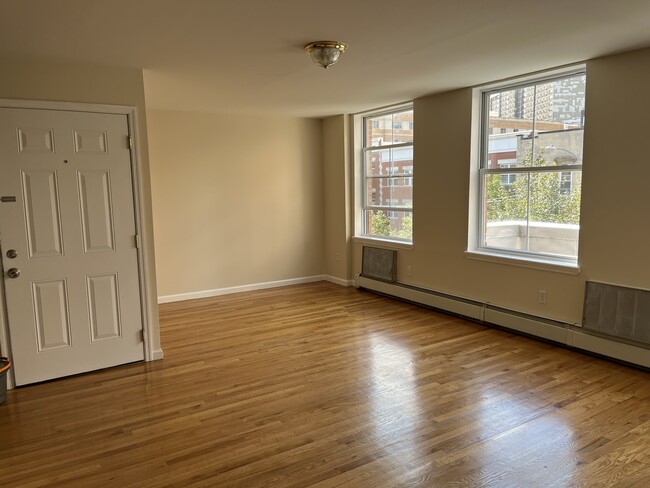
{"x": 538, "y": 237}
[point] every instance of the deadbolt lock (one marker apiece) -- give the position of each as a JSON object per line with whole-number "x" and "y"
{"x": 13, "y": 273}
{"x": 12, "y": 254}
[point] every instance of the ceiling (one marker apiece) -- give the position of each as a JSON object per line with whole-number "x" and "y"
{"x": 246, "y": 56}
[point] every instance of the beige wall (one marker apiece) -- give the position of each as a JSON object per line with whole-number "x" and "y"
{"x": 336, "y": 171}
{"x": 73, "y": 82}
{"x": 615, "y": 233}
{"x": 238, "y": 200}
{"x": 615, "y": 238}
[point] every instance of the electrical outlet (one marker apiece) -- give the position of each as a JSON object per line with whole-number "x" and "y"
{"x": 541, "y": 297}
{"x": 409, "y": 270}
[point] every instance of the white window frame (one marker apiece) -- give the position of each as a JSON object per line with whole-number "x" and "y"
{"x": 480, "y": 115}
{"x": 360, "y": 187}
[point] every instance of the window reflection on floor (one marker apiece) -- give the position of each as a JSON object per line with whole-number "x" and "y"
{"x": 395, "y": 404}
{"x": 523, "y": 431}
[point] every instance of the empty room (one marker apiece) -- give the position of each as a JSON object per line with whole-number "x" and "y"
{"x": 346, "y": 244}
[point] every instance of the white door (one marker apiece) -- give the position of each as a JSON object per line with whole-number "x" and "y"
{"x": 68, "y": 242}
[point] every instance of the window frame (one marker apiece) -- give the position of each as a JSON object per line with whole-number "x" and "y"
{"x": 361, "y": 177}
{"x": 479, "y": 156}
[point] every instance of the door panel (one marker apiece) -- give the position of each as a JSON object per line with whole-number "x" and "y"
{"x": 51, "y": 314}
{"x": 76, "y": 305}
{"x": 103, "y": 299}
{"x": 35, "y": 139}
{"x": 96, "y": 210}
{"x": 90, "y": 141}
{"x": 42, "y": 213}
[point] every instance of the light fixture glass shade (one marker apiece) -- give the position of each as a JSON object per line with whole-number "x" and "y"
{"x": 325, "y": 53}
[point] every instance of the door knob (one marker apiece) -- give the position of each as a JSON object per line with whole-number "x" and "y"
{"x": 13, "y": 273}
{"x": 12, "y": 254}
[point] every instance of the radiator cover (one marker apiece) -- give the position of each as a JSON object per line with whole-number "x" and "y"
{"x": 617, "y": 311}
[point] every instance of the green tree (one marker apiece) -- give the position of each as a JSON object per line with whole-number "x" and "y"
{"x": 535, "y": 196}
{"x": 380, "y": 224}
{"x": 407, "y": 227}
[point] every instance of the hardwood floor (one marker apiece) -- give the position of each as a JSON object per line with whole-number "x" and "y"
{"x": 323, "y": 386}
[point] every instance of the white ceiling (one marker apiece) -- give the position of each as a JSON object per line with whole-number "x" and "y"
{"x": 247, "y": 55}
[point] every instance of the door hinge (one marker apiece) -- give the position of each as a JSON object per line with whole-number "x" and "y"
{"x": 129, "y": 141}
{"x": 141, "y": 335}
{"x": 137, "y": 241}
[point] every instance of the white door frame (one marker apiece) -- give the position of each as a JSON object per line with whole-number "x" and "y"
{"x": 132, "y": 118}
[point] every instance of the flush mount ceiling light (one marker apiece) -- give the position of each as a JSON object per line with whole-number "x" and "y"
{"x": 325, "y": 53}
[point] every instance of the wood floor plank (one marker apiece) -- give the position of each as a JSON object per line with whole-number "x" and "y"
{"x": 323, "y": 386}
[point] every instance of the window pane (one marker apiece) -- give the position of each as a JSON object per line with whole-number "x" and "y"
{"x": 510, "y": 124}
{"x": 395, "y": 224}
{"x": 385, "y": 162}
{"x": 402, "y": 159}
{"x": 379, "y": 130}
{"x": 377, "y": 192}
{"x": 389, "y": 129}
{"x": 537, "y": 125}
{"x": 401, "y": 193}
{"x": 378, "y": 162}
{"x": 403, "y": 127}
{"x": 551, "y": 200}
{"x": 559, "y": 122}
{"x": 390, "y": 192}
{"x": 554, "y": 215}
{"x": 539, "y": 212}
{"x": 505, "y": 212}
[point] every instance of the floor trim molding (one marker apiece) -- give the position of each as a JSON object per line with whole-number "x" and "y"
{"x": 238, "y": 289}
{"x": 338, "y": 281}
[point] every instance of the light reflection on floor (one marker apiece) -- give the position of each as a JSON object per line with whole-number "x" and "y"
{"x": 507, "y": 445}
{"x": 495, "y": 416}
{"x": 395, "y": 404}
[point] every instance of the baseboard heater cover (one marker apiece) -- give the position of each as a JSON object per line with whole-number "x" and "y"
{"x": 528, "y": 324}
{"x": 548, "y": 329}
{"x": 448, "y": 303}
{"x": 617, "y": 311}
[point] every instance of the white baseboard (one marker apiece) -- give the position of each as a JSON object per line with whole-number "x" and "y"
{"x": 561, "y": 333}
{"x": 338, "y": 281}
{"x": 157, "y": 354}
{"x": 237, "y": 289}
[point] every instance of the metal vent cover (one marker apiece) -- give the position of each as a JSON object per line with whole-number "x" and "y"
{"x": 617, "y": 311}
{"x": 379, "y": 264}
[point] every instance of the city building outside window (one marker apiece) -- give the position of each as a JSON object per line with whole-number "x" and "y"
{"x": 385, "y": 169}
{"x": 528, "y": 168}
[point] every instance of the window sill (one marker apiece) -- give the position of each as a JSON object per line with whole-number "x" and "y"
{"x": 525, "y": 262}
{"x": 383, "y": 242}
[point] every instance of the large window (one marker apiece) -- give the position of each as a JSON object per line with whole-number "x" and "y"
{"x": 386, "y": 169}
{"x": 530, "y": 168}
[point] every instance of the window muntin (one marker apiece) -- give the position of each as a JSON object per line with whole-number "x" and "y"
{"x": 387, "y": 159}
{"x": 530, "y": 169}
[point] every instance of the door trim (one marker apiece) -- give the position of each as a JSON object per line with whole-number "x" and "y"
{"x": 131, "y": 113}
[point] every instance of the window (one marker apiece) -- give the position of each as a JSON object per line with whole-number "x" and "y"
{"x": 507, "y": 179}
{"x": 528, "y": 169}
{"x": 566, "y": 178}
{"x": 385, "y": 167}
